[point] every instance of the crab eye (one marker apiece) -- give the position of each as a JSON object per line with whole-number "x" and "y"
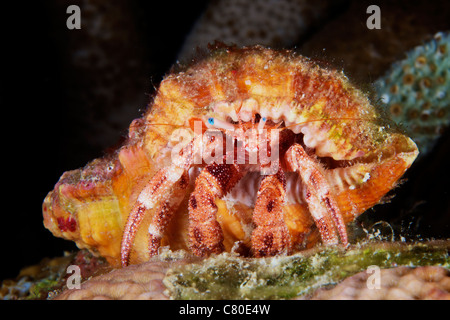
{"x": 219, "y": 124}
{"x": 262, "y": 123}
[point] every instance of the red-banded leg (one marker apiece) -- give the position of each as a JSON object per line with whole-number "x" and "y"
{"x": 271, "y": 235}
{"x": 163, "y": 194}
{"x": 318, "y": 196}
{"x": 205, "y": 233}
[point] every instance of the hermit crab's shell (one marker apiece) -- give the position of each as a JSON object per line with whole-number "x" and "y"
{"x": 361, "y": 155}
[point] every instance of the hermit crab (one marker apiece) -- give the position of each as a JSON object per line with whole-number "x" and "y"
{"x": 251, "y": 150}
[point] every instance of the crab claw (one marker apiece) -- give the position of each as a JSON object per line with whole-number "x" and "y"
{"x": 364, "y": 184}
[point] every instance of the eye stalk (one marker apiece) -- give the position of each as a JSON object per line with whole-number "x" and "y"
{"x": 261, "y": 123}
{"x": 219, "y": 124}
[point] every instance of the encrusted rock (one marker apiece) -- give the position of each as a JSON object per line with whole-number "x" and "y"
{"x": 401, "y": 283}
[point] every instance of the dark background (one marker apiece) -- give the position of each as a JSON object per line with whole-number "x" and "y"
{"x": 43, "y": 126}
{"x": 51, "y": 124}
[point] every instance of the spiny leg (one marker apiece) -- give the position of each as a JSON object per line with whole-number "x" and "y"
{"x": 271, "y": 235}
{"x": 164, "y": 213}
{"x": 205, "y": 233}
{"x": 318, "y": 195}
{"x": 164, "y": 192}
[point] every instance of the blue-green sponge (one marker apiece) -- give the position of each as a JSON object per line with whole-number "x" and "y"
{"x": 416, "y": 91}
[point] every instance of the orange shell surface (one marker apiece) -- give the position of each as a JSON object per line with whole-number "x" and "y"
{"x": 90, "y": 205}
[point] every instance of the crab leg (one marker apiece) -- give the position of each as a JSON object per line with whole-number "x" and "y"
{"x": 163, "y": 215}
{"x": 205, "y": 233}
{"x": 318, "y": 195}
{"x": 164, "y": 192}
{"x": 271, "y": 236}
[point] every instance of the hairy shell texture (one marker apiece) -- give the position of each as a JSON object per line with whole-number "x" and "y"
{"x": 361, "y": 155}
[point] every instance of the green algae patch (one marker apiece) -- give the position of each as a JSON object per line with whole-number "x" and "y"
{"x": 228, "y": 276}
{"x": 40, "y": 290}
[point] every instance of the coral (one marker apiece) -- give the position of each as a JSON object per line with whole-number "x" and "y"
{"x": 49, "y": 277}
{"x": 177, "y": 275}
{"x": 230, "y": 277}
{"x": 366, "y": 54}
{"x": 416, "y": 91}
{"x": 35, "y": 282}
{"x": 353, "y": 156}
{"x": 276, "y": 24}
{"x": 104, "y": 80}
{"x": 400, "y": 283}
{"x": 137, "y": 282}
